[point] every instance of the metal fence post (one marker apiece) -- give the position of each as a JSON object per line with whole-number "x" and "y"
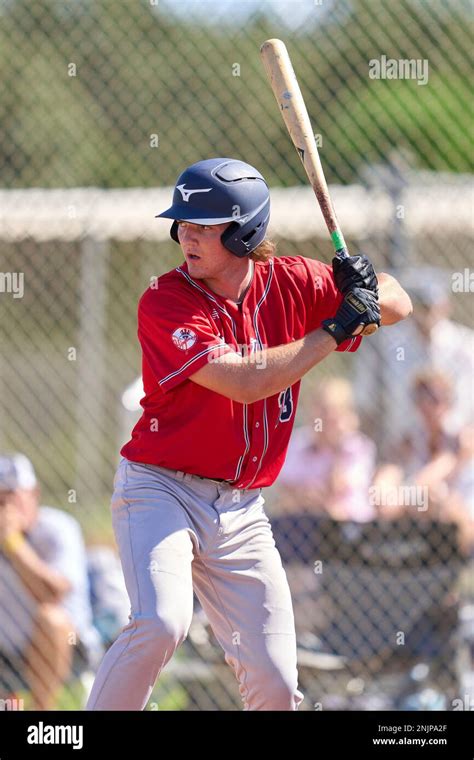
{"x": 90, "y": 407}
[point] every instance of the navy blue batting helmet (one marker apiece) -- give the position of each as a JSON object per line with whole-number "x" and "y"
{"x": 220, "y": 190}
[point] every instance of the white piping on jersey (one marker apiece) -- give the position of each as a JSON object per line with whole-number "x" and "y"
{"x": 257, "y": 309}
{"x": 257, "y": 335}
{"x": 266, "y": 439}
{"x": 350, "y": 344}
{"x": 186, "y": 364}
{"x": 214, "y": 300}
{"x": 247, "y": 442}
{"x": 234, "y": 331}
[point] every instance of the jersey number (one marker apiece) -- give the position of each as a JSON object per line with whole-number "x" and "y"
{"x": 285, "y": 400}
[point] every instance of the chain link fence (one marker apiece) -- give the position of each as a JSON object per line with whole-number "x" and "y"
{"x": 102, "y": 104}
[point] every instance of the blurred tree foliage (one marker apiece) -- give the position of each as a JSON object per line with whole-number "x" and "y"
{"x": 141, "y": 72}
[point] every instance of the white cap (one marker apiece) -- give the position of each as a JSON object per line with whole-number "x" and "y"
{"x": 132, "y": 395}
{"x": 16, "y": 471}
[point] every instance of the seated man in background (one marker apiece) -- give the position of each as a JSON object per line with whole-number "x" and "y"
{"x": 46, "y": 629}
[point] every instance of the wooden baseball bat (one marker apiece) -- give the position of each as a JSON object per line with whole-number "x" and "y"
{"x": 293, "y": 110}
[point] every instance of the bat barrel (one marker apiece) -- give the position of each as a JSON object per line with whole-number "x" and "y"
{"x": 290, "y": 100}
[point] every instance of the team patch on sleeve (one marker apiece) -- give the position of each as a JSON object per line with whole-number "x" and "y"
{"x": 184, "y": 338}
{"x": 177, "y": 335}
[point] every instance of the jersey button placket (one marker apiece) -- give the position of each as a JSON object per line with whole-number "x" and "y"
{"x": 256, "y": 439}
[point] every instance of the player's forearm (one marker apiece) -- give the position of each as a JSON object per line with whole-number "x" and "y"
{"x": 264, "y": 373}
{"x": 395, "y": 303}
{"x": 284, "y": 365}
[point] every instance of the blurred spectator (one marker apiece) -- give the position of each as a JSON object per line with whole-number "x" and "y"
{"x": 429, "y": 436}
{"x": 329, "y": 473}
{"x": 435, "y": 461}
{"x": 438, "y": 460}
{"x": 385, "y": 374}
{"x": 329, "y": 466}
{"x": 46, "y": 628}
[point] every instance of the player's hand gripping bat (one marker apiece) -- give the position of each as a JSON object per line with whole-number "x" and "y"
{"x": 290, "y": 100}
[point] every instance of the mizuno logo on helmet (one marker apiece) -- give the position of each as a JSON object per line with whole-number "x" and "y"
{"x": 186, "y": 193}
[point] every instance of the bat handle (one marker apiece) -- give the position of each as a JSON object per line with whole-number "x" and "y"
{"x": 339, "y": 244}
{"x": 341, "y": 251}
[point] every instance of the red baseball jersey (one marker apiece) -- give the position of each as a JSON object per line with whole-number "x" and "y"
{"x": 182, "y": 324}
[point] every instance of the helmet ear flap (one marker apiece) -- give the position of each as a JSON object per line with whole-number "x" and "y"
{"x": 174, "y": 231}
{"x": 249, "y": 236}
{"x": 227, "y": 234}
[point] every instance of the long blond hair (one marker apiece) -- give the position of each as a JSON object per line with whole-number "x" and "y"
{"x": 264, "y": 251}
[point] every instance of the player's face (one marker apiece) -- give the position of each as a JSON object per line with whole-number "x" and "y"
{"x": 202, "y": 248}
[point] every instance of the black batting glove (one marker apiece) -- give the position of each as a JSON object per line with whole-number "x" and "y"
{"x": 359, "y": 308}
{"x": 354, "y": 272}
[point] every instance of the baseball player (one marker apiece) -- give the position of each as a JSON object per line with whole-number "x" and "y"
{"x": 226, "y": 338}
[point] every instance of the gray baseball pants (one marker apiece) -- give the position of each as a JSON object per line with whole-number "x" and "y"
{"x": 177, "y": 533}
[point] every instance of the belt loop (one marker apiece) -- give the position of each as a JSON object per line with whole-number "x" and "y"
{"x": 179, "y": 475}
{"x": 188, "y": 476}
